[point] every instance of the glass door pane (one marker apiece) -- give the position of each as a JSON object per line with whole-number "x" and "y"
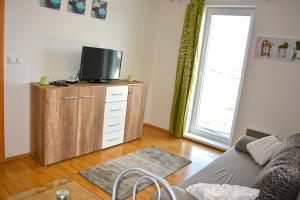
{"x": 222, "y": 63}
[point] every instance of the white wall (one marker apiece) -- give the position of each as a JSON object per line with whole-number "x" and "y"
{"x": 50, "y": 42}
{"x": 270, "y": 99}
{"x": 171, "y": 18}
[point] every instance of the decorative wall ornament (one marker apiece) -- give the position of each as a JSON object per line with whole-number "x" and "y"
{"x": 99, "y": 9}
{"x": 54, "y": 4}
{"x": 279, "y": 49}
{"x": 77, "y": 6}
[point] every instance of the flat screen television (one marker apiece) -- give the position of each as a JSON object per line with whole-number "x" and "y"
{"x": 100, "y": 65}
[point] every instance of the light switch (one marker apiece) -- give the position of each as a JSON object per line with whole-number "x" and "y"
{"x": 11, "y": 60}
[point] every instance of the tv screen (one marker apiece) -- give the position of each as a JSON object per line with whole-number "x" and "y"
{"x": 100, "y": 65}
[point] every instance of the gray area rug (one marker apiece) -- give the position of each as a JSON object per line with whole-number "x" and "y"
{"x": 152, "y": 159}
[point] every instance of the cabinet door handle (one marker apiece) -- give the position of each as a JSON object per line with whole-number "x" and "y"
{"x": 69, "y": 98}
{"x": 116, "y": 124}
{"x": 116, "y": 94}
{"x": 114, "y": 110}
{"x": 112, "y": 139}
{"x": 87, "y": 97}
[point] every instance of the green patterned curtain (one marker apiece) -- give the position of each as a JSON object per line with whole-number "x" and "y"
{"x": 187, "y": 61}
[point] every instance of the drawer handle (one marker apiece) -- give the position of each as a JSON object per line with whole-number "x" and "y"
{"x": 113, "y": 139}
{"x": 116, "y": 124}
{"x": 116, "y": 94}
{"x": 114, "y": 110}
{"x": 87, "y": 97}
{"x": 69, "y": 98}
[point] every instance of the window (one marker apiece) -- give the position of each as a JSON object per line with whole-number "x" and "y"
{"x": 223, "y": 57}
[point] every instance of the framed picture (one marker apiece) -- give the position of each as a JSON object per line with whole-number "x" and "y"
{"x": 54, "y": 4}
{"x": 77, "y": 6}
{"x": 278, "y": 49}
{"x": 99, "y": 9}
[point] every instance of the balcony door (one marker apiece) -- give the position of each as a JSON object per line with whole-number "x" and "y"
{"x": 226, "y": 34}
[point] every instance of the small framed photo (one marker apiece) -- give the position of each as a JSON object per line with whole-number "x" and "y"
{"x": 99, "y": 9}
{"x": 54, "y": 4}
{"x": 77, "y": 6}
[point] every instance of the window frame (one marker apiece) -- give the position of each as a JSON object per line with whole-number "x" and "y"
{"x": 204, "y": 36}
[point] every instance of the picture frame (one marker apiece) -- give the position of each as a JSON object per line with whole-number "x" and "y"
{"x": 77, "y": 6}
{"x": 53, "y": 4}
{"x": 278, "y": 49}
{"x": 99, "y": 9}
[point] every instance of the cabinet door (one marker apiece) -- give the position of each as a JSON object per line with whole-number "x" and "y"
{"x": 90, "y": 119}
{"x": 61, "y": 106}
{"x": 135, "y": 112}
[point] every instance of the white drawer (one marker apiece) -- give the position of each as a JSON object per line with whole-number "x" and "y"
{"x": 112, "y": 139}
{"x": 115, "y": 109}
{"x": 118, "y": 93}
{"x": 114, "y": 124}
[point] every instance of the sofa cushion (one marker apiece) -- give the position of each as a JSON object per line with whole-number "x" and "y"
{"x": 262, "y": 150}
{"x": 222, "y": 192}
{"x": 179, "y": 192}
{"x": 289, "y": 143}
{"x": 232, "y": 167}
{"x": 241, "y": 144}
{"x": 280, "y": 179}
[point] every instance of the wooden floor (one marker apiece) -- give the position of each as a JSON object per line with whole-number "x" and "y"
{"x": 25, "y": 173}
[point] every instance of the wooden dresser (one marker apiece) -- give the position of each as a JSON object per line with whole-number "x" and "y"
{"x": 66, "y": 122}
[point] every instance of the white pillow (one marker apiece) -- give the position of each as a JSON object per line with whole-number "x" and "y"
{"x": 263, "y": 149}
{"x": 204, "y": 191}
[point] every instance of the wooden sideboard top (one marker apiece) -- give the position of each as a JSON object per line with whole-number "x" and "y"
{"x": 85, "y": 84}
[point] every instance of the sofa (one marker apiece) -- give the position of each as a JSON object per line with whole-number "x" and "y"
{"x": 233, "y": 167}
